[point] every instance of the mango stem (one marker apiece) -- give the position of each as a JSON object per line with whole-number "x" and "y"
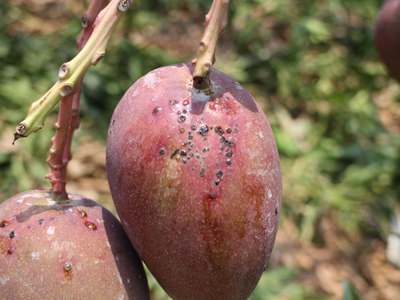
{"x": 214, "y": 25}
{"x": 88, "y": 20}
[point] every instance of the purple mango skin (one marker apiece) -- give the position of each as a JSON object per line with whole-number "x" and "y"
{"x": 75, "y": 250}
{"x": 203, "y": 220}
{"x": 387, "y": 37}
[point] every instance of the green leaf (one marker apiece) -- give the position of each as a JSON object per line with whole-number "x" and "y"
{"x": 349, "y": 292}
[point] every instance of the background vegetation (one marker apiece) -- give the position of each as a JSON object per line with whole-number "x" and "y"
{"x": 310, "y": 64}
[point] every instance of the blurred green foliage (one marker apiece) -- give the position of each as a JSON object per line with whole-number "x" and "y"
{"x": 311, "y": 65}
{"x": 349, "y": 292}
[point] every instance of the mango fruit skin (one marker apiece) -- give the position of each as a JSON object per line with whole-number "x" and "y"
{"x": 74, "y": 250}
{"x": 196, "y": 180}
{"x": 386, "y": 37}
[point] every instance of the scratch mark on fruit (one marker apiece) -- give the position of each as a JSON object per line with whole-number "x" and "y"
{"x": 50, "y": 230}
{"x": 4, "y": 279}
{"x": 239, "y": 87}
{"x": 248, "y": 125}
{"x": 66, "y": 245}
{"x": 120, "y": 280}
{"x": 35, "y": 255}
{"x": 150, "y": 80}
{"x": 175, "y": 153}
{"x": 135, "y": 92}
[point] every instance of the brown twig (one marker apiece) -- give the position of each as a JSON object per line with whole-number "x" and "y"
{"x": 68, "y": 118}
{"x": 55, "y": 160}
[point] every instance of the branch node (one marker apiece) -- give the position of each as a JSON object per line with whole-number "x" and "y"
{"x": 97, "y": 58}
{"x": 21, "y": 128}
{"x": 75, "y": 112}
{"x": 123, "y": 5}
{"x": 66, "y": 89}
{"x": 85, "y": 21}
{"x": 202, "y": 46}
{"x": 64, "y": 71}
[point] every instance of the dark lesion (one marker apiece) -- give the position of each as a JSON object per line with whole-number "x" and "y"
{"x": 174, "y": 153}
{"x": 201, "y": 82}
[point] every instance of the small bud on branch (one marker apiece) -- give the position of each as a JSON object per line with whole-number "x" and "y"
{"x": 64, "y": 71}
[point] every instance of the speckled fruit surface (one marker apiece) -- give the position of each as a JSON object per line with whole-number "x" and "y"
{"x": 74, "y": 250}
{"x": 196, "y": 181}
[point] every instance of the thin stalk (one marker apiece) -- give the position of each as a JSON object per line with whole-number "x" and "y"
{"x": 55, "y": 160}
{"x": 74, "y": 124}
{"x": 70, "y": 72}
{"x": 68, "y": 117}
{"x": 214, "y": 25}
{"x": 88, "y": 20}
